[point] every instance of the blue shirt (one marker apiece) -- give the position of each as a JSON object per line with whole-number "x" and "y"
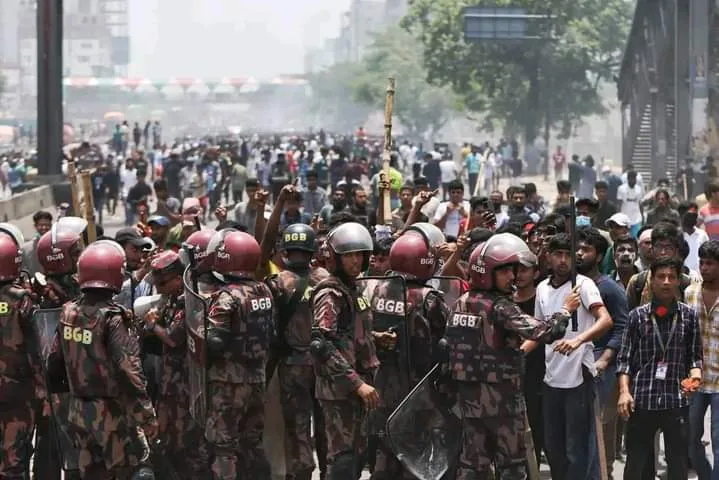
{"x": 615, "y": 299}
{"x": 471, "y": 162}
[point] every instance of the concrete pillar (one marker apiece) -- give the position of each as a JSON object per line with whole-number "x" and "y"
{"x": 49, "y": 86}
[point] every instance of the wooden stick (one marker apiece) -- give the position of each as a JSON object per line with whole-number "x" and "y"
{"x": 388, "y": 109}
{"x": 89, "y": 206}
{"x": 74, "y": 191}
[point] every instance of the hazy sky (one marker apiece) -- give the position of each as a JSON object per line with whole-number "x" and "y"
{"x": 223, "y": 38}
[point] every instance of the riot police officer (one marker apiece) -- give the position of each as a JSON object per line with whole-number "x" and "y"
{"x": 484, "y": 333}
{"x": 409, "y": 317}
{"x": 240, "y": 329}
{"x": 57, "y": 251}
{"x": 291, "y": 350}
{"x": 345, "y": 357}
{"x": 96, "y": 356}
{"x": 20, "y": 372}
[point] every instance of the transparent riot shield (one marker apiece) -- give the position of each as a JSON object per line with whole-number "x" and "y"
{"x": 387, "y": 297}
{"x": 45, "y": 322}
{"x": 451, "y": 287}
{"x": 196, "y": 323}
{"x": 425, "y": 430}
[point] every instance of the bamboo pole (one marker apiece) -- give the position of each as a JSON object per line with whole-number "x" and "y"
{"x": 388, "y": 109}
{"x": 74, "y": 191}
{"x": 89, "y": 206}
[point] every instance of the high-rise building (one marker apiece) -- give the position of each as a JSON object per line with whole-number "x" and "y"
{"x": 367, "y": 17}
{"x": 95, "y": 40}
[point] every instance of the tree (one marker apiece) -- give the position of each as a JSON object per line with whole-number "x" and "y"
{"x": 521, "y": 83}
{"x": 332, "y": 102}
{"x": 422, "y": 108}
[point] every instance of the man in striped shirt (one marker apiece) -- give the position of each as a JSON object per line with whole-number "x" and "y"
{"x": 709, "y": 213}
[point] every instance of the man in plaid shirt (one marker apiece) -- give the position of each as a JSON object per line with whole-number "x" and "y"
{"x": 661, "y": 346}
{"x": 703, "y": 299}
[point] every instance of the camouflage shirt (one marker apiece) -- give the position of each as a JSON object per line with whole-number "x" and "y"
{"x": 342, "y": 321}
{"x": 298, "y": 330}
{"x": 101, "y": 356}
{"x": 484, "y": 334}
{"x": 20, "y": 369}
{"x": 244, "y": 312}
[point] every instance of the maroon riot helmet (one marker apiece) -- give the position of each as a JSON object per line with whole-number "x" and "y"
{"x": 11, "y": 241}
{"x": 234, "y": 253}
{"x": 199, "y": 242}
{"x": 499, "y": 251}
{"x": 59, "y": 249}
{"x": 102, "y": 265}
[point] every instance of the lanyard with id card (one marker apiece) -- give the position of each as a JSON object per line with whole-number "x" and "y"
{"x": 662, "y": 367}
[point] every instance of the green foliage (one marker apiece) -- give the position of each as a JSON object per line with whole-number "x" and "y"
{"x": 423, "y": 109}
{"x": 515, "y": 83}
{"x": 332, "y": 98}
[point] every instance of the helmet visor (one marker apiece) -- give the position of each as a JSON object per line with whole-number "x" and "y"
{"x": 14, "y": 232}
{"x": 73, "y": 225}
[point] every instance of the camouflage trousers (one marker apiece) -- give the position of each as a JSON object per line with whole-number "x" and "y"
{"x": 346, "y": 437}
{"x": 296, "y": 386}
{"x": 392, "y": 385}
{"x": 17, "y": 422}
{"x": 182, "y": 440}
{"x": 488, "y": 442}
{"x": 109, "y": 446}
{"x": 235, "y": 422}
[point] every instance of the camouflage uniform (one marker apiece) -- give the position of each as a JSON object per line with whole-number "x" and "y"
{"x": 20, "y": 381}
{"x": 97, "y": 352}
{"x": 242, "y": 312}
{"x": 181, "y": 438}
{"x": 48, "y": 463}
{"x": 295, "y": 372}
{"x": 426, "y": 316}
{"x": 342, "y": 324}
{"x": 485, "y": 361}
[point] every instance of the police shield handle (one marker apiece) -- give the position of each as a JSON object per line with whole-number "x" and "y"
{"x": 388, "y": 109}
{"x": 89, "y": 206}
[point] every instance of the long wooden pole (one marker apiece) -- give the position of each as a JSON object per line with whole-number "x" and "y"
{"x": 388, "y": 109}
{"x": 89, "y": 206}
{"x": 74, "y": 191}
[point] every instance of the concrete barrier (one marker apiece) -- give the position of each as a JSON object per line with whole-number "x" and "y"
{"x": 26, "y": 203}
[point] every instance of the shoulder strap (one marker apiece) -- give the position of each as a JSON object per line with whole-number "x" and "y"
{"x": 639, "y": 286}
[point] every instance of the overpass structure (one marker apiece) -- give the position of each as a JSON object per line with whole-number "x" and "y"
{"x": 667, "y": 86}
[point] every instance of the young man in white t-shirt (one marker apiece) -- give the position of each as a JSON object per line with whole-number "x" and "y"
{"x": 629, "y": 196}
{"x": 449, "y": 215}
{"x": 448, "y": 173}
{"x": 570, "y": 366}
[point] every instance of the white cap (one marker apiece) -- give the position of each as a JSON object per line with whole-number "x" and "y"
{"x": 619, "y": 219}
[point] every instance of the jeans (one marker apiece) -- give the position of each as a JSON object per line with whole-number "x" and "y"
{"x": 472, "y": 180}
{"x": 568, "y": 421}
{"x": 642, "y": 427}
{"x": 697, "y": 409}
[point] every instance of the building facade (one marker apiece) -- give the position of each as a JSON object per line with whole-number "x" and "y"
{"x": 96, "y": 41}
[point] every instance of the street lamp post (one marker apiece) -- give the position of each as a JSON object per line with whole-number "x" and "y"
{"x": 513, "y": 25}
{"x": 49, "y": 88}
